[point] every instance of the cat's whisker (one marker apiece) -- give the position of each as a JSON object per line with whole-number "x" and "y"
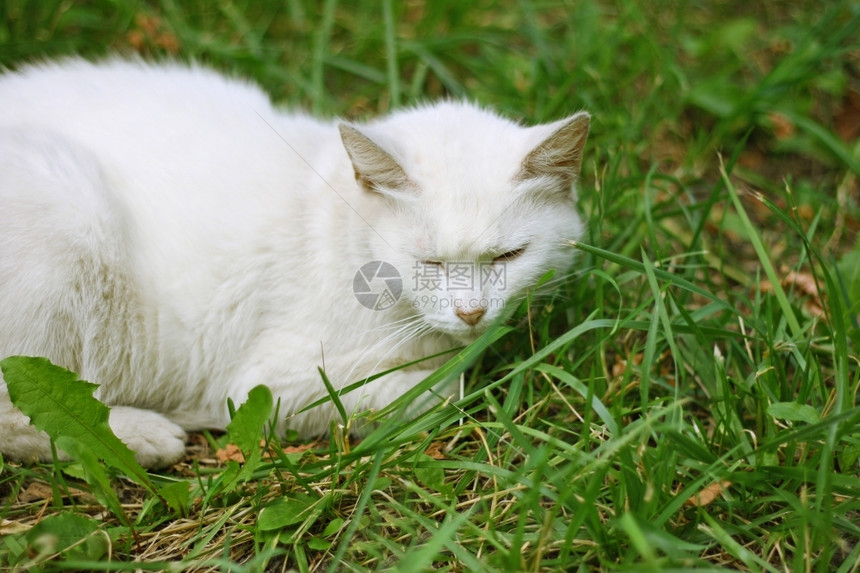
{"x": 395, "y": 323}
{"x": 407, "y": 332}
{"x": 406, "y": 329}
{"x": 556, "y": 281}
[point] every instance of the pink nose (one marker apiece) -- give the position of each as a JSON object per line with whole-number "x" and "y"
{"x": 470, "y": 316}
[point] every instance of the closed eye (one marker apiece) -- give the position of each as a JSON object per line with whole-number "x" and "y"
{"x": 510, "y": 255}
{"x": 432, "y": 263}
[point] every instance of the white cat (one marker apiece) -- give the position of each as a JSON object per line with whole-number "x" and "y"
{"x": 169, "y": 235}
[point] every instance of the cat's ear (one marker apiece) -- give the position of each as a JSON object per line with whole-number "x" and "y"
{"x": 375, "y": 169}
{"x": 559, "y": 155}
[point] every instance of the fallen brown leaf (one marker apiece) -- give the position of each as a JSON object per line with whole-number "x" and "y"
{"x": 270, "y": 454}
{"x": 803, "y": 281}
{"x": 36, "y": 491}
{"x": 230, "y": 452}
{"x": 708, "y": 494}
{"x": 434, "y": 450}
{"x": 150, "y": 30}
{"x": 621, "y": 364}
{"x": 783, "y": 128}
{"x": 40, "y": 491}
{"x": 299, "y": 449}
{"x": 12, "y": 527}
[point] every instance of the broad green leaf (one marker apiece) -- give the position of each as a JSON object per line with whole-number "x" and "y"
{"x": 177, "y": 496}
{"x": 57, "y": 533}
{"x": 333, "y": 527}
{"x": 431, "y": 474}
{"x": 61, "y": 405}
{"x": 850, "y": 454}
{"x": 246, "y": 427}
{"x": 381, "y": 483}
{"x": 794, "y": 412}
{"x": 94, "y": 474}
{"x": 318, "y": 544}
{"x": 286, "y": 511}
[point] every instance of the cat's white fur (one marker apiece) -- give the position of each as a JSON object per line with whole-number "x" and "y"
{"x": 169, "y": 235}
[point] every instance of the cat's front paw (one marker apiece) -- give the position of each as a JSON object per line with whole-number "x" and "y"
{"x": 156, "y": 441}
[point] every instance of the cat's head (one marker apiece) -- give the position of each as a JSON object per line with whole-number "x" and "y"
{"x": 473, "y": 209}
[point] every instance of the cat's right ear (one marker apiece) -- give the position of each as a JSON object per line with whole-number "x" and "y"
{"x": 375, "y": 169}
{"x": 559, "y": 155}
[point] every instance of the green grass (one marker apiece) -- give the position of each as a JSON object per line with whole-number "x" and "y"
{"x": 708, "y": 342}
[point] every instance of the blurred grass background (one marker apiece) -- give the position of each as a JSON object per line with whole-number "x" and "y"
{"x": 707, "y": 345}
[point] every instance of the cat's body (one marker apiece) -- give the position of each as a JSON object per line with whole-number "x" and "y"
{"x": 167, "y": 234}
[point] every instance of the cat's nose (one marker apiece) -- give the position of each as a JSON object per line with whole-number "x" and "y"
{"x": 470, "y": 316}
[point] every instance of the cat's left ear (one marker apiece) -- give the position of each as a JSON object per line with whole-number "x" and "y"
{"x": 375, "y": 169}
{"x": 559, "y": 155}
